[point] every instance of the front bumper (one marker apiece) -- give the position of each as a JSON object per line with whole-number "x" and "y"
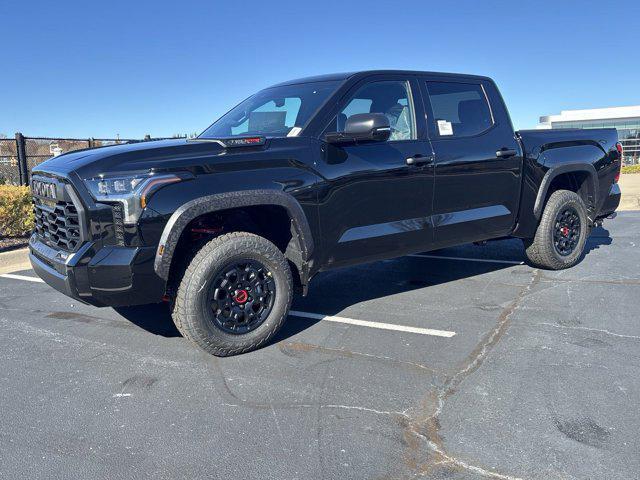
{"x": 108, "y": 276}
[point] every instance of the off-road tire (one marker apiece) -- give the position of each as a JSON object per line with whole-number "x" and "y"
{"x": 189, "y": 309}
{"x": 540, "y": 250}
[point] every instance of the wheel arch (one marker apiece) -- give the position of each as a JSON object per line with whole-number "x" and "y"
{"x": 588, "y": 187}
{"x": 301, "y": 237}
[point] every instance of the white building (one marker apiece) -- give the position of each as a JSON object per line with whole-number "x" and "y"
{"x": 625, "y": 119}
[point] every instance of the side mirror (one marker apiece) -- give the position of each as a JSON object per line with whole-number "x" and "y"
{"x": 362, "y": 127}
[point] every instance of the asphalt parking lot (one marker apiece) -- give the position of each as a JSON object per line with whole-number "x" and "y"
{"x": 462, "y": 363}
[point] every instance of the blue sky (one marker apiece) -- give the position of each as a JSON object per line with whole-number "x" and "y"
{"x": 80, "y": 69}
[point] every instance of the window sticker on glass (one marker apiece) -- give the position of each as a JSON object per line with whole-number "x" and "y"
{"x": 267, "y": 121}
{"x": 445, "y": 128}
{"x": 294, "y": 132}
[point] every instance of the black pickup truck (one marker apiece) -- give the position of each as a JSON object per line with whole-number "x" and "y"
{"x": 305, "y": 176}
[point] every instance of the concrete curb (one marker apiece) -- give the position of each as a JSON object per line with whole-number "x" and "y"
{"x": 14, "y": 260}
{"x": 630, "y": 186}
{"x": 629, "y": 202}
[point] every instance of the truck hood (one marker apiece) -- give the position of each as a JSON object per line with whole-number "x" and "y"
{"x": 143, "y": 156}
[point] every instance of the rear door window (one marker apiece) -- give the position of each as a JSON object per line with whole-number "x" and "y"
{"x": 459, "y": 109}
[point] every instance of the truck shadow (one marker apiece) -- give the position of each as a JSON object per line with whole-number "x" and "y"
{"x": 599, "y": 236}
{"x": 154, "y": 318}
{"x": 333, "y": 291}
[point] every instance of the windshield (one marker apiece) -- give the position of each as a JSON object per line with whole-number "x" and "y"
{"x": 273, "y": 112}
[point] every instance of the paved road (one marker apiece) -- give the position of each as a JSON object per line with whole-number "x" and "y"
{"x": 536, "y": 377}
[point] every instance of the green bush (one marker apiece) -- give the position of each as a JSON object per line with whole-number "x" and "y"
{"x": 16, "y": 211}
{"x": 631, "y": 169}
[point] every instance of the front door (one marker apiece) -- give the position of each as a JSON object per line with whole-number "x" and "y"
{"x": 373, "y": 203}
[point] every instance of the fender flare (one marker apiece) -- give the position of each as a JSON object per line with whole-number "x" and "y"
{"x": 553, "y": 172}
{"x": 225, "y": 201}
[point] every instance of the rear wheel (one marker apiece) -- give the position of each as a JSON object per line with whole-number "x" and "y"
{"x": 235, "y": 294}
{"x": 562, "y": 233}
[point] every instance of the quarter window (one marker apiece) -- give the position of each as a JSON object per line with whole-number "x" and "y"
{"x": 459, "y": 109}
{"x": 390, "y": 98}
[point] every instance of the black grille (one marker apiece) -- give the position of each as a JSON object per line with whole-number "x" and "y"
{"x": 58, "y": 224}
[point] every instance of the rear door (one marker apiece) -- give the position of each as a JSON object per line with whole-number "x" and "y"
{"x": 478, "y": 160}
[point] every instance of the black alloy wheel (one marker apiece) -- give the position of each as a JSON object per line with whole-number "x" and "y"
{"x": 566, "y": 234}
{"x": 242, "y": 296}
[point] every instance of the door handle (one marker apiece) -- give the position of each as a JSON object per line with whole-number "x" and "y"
{"x": 506, "y": 153}
{"x": 419, "y": 159}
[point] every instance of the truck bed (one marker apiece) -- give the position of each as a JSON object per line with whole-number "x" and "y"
{"x": 590, "y": 153}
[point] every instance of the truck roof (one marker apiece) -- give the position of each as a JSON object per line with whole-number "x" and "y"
{"x": 364, "y": 73}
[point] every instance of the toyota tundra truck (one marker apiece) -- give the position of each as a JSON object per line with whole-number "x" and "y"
{"x": 305, "y": 176}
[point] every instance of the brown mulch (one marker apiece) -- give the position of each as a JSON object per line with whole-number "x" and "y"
{"x": 13, "y": 243}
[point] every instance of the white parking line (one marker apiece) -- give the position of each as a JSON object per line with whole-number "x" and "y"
{"x": 467, "y": 259}
{"x": 317, "y": 316}
{"x": 353, "y": 321}
{"x": 379, "y": 325}
{"x": 22, "y": 277}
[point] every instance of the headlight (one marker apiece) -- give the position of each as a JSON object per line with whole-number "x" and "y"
{"x": 132, "y": 191}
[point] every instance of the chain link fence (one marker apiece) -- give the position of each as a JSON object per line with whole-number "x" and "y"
{"x": 20, "y": 154}
{"x": 37, "y": 150}
{"x": 9, "y": 168}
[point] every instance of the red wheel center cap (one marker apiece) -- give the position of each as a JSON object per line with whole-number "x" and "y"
{"x": 565, "y": 231}
{"x": 241, "y": 296}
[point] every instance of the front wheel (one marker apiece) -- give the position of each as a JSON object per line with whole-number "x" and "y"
{"x": 235, "y": 294}
{"x": 562, "y": 233}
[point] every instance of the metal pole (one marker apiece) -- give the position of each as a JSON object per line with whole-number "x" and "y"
{"x": 22, "y": 159}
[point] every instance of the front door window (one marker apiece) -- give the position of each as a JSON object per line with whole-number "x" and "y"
{"x": 391, "y": 98}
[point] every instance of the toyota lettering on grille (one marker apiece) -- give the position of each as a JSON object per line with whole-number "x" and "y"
{"x": 43, "y": 189}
